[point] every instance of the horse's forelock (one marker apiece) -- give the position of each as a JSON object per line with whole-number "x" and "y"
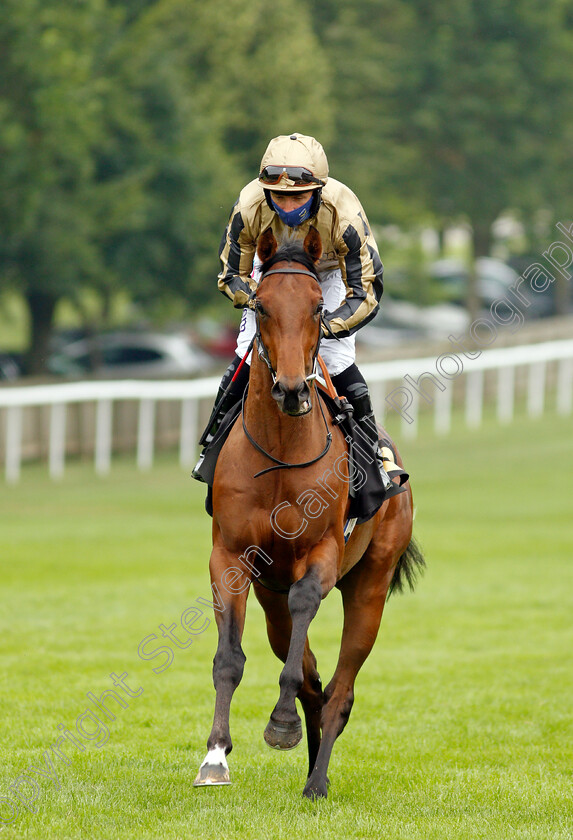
{"x": 290, "y": 252}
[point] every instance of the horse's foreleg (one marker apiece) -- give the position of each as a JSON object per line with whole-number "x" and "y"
{"x": 363, "y": 597}
{"x": 284, "y": 729}
{"x": 279, "y": 629}
{"x": 228, "y": 667}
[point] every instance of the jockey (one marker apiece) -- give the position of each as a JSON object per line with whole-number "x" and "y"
{"x": 293, "y": 192}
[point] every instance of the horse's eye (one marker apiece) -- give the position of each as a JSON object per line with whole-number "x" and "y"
{"x": 260, "y": 309}
{"x": 318, "y": 310}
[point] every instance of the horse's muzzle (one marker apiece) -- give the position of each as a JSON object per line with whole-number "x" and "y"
{"x": 294, "y": 401}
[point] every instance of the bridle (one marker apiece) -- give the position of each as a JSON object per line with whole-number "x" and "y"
{"x": 264, "y": 355}
{"x": 261, "y": 349}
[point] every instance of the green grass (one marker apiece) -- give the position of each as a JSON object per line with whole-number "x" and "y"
{"x": 462, "y": 725}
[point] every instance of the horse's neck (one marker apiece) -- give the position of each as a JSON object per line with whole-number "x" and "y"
{"x": 282, "y": 435}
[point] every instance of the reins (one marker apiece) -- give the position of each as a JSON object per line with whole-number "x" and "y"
{"x": 284, "y": 465}
{"x": 331, "y": 390}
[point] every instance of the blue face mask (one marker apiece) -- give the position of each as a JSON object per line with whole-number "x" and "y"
{"x": 294, "y": 217}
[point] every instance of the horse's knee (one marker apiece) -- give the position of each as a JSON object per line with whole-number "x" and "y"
{"x": 305, "y": 596}
{"x": 228, "y": 665}
{"x": 291, "y": 682}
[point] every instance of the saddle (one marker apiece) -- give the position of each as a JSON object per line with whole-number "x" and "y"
{"x": 366, "y": 490}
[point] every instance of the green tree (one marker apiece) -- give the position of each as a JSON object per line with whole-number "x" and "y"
{"x": 51, "y": 103}
{"x": 79, "y": 165}
{"x": 460, "y": 108}
{"x": 222, "y": 76}
{"x": 126, "y": 131}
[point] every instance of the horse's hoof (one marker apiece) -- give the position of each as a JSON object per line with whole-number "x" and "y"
{"x": 214, "y": 770}
{"x": 212, "y": 774}
{"x": 315, "y": 790}
{"x": 283, "y": 736}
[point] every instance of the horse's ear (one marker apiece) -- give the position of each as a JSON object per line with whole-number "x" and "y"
{"x": 267, "y": 245}
{"x": 313, "y": 244}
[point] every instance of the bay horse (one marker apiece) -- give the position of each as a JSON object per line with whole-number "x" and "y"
{"x": 280, "y": 502}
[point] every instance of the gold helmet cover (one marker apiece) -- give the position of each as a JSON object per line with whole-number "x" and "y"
{"x": 293, "y": 163}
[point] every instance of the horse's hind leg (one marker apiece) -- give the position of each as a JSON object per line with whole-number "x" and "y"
{"x": 279, "y": 628}
{"x": 363, "y": 593}
{"x": 227, "y": 671}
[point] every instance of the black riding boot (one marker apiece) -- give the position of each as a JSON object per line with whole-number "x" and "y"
{"x": 352, "y": 385}
{"x": 228, "y": 395}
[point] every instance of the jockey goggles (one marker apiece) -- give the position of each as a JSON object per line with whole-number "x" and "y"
{"x": 299, "y": 175}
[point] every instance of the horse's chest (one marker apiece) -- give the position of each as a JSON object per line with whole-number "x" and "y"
{"x": 276, "y": 540}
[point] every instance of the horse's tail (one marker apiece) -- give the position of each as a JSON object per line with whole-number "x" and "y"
{"x": 408, "y": 568}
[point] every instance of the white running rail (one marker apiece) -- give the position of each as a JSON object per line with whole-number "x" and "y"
{"x": 430, "y": 379}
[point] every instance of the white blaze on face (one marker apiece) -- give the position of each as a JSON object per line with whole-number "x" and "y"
{"x": 216, "y": 756}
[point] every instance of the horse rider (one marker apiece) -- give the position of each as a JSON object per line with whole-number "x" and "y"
{"x": 292, "y": 192}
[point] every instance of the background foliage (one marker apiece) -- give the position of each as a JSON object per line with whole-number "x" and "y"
{"x": 127, "y": 128}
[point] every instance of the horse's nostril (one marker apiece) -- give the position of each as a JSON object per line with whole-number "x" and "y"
{"x": 278, "y": 391}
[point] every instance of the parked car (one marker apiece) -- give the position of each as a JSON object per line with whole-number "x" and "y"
{"x": 494, "y": 278}
{"x": 130, "y": 354}
{"x": 401, "y": 322}
{"x": 218, "y": 340}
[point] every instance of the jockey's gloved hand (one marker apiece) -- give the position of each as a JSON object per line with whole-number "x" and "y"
{"x": 327, "y": 331}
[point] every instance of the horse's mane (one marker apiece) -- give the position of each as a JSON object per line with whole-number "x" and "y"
{"x": 291, "y": 252}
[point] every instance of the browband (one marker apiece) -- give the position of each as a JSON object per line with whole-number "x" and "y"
{"x": 290, "y": 271}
